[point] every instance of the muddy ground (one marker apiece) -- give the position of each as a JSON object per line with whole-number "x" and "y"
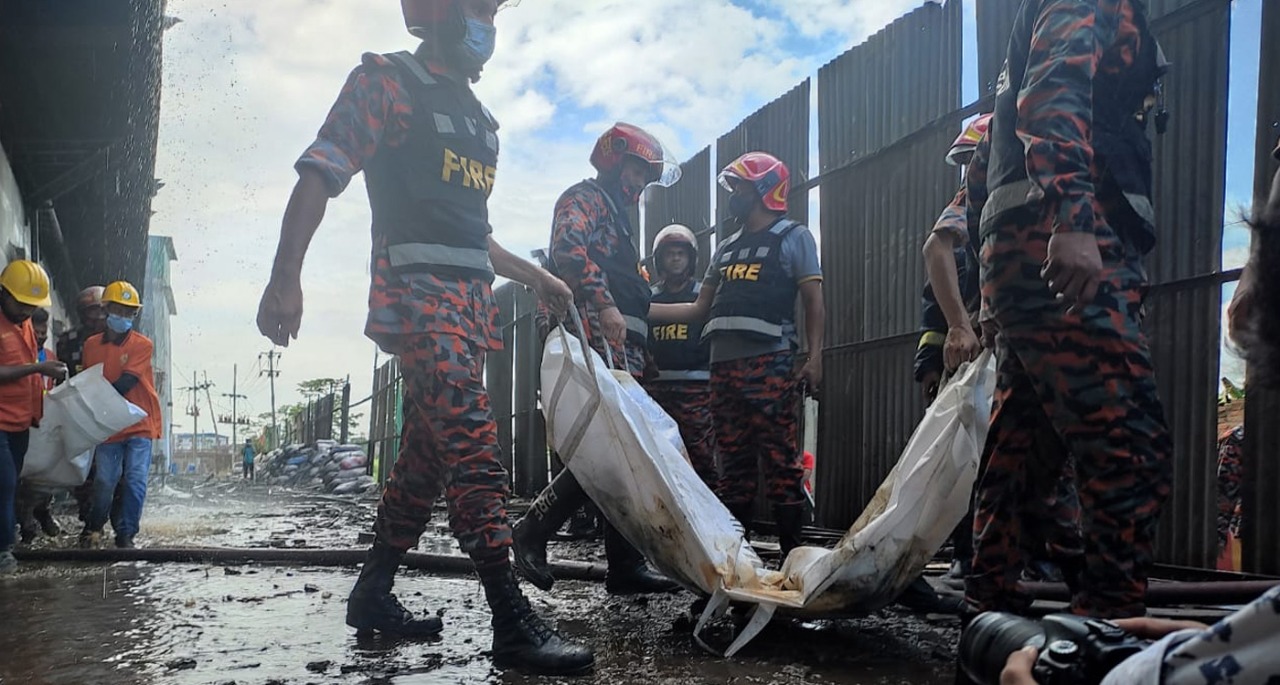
{"x": 189, "y": 624}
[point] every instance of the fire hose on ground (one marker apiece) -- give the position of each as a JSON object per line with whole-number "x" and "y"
{"x": 1160, "y": 594}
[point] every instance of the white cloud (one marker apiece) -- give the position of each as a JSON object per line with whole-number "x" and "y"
{"x": 248, "y": 84}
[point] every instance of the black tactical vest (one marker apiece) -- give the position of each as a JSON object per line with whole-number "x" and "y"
{"x": 627, "y": 285}
{"x": 430, "y": 195}
{"x": 677, "y": 348}
{"x": 755, "y": 295}
{"x": 1121, "y": 148}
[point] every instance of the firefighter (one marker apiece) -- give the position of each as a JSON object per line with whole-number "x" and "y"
{"x": 757, "y": 374}
{"x": 683, "y": 359}
{"x": 24, "y": 286}
{"x": 123, "y": 462}
{"x": 1066, "y": 223}
{"x": 592, "y": 249}
{"x": 429, "y": 151}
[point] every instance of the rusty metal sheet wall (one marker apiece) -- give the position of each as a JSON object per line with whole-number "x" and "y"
{"x": 780, "y": 128}
{"x": 1262, "y": 432}
{"x": 1185, "y": 317}
{"x": 687, "y": 202}
{"x": 884, "y": 184}
{"x": 995, "y": 21}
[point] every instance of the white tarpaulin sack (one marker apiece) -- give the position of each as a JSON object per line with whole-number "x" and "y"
{"x": 78, "y": 416}
{"x": 628, "y": 456}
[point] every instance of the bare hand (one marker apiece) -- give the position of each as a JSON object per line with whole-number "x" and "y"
{"x": 554, "y": 294}
{"x": 1073, "y": 269}
{"x": 613, "y": 325}
{"x": 280, "y": 313}
{"x": 53, "y": 369}
{"x": 929, "y": 387}
{"x": 962, "y": 346}
{"x": 1017, "y": 670}
{"x": 811, "y": 375}
{"x": 1155, "y": 628}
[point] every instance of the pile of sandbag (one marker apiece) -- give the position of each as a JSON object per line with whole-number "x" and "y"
{"x": 327, "y": 467}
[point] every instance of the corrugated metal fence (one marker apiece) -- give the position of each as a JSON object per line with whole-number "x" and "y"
{"x": 887, "y": 111}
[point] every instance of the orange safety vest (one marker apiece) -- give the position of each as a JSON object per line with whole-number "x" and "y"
{"x": 21, "y": 401}
{"x": 133, "y": 356}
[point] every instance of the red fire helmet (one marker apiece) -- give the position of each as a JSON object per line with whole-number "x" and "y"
{"x": 767, "y": 173}
{"x": 968, "y": 139}
{"x": 626, "y": 139}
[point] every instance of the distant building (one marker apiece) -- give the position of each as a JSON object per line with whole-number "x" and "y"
{"x": 154, "y": 323}
{"x": 208, "y": 442}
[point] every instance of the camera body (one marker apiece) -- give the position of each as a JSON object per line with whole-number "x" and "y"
{"x": 1074, "y": 650}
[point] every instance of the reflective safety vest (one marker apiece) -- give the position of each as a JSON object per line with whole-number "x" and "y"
{"x": 677, "y": 348}
{"x": 627, "y": 286}
{"x": 756, "y": 295}
{"x": 430, "y": 195}
{"x": 1118, "y": 136}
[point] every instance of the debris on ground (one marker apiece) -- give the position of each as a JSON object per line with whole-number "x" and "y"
{"x": 326, "y": 467}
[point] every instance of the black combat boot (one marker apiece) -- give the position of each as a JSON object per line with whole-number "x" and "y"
{"x": 921, "y": 598}
{"x": 521, "y": 639}
{"x": 549, "y": 511}
{"x": 628, "y": 573}
{"x": 789, "y": 519}
{"x": 47, "y": 523}
{"x": 371, "y": 606}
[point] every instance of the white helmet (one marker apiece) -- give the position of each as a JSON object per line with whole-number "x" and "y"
{"x": 672, "y": 236}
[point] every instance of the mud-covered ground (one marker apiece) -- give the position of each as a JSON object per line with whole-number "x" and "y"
{"x": 194, "y": 624}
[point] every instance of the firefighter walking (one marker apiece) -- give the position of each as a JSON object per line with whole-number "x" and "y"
{"x": 1064, "y": 228}
{"x": 429, "y": 151}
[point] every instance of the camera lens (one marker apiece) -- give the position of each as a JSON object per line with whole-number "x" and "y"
{"x": 987, "y": 643}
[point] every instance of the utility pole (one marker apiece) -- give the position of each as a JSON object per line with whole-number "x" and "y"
{"x": 235, "y": 416}
{"x": 194, "y": 411}
{"x": 212, "y": 416}
{"x": 343, "y": 432}
{"x": 271, "y": 373}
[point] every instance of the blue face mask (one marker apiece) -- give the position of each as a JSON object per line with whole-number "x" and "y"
{"x": 477, "y": 44}
{"x": 119, "y": 324}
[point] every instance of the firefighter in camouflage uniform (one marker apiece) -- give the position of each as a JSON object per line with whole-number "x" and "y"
{"x": 683, "y": 359}
{"x": 429, "y": 152}
{"x": 1063, "y": 232}
{"x": 748, "y": 302}
{"x": 593, "y": 250}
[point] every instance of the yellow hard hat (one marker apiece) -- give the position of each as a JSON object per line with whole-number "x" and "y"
{"x": 27, "y": 282}
{"x": 122, "y": 292}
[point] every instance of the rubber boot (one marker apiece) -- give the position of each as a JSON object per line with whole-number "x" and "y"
{"x": 789, "y": 519}
{"x": 584, "y": 525}
{"x": 521, "y": 639}
{"x": 371, "y": 606}
{"x": 47, "y": 523}
{"x": 629, "y": 573}
{"x": 921, "y": 598}
{"x": 549, "y": 511}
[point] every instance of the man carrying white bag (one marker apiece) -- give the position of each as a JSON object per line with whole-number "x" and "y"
{"x": 79, "y": 415}
{"x": 628, "y": 456}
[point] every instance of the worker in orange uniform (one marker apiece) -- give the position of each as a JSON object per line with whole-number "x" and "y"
{"x": 125, "y": 459}
{"x": 24, "y": 287}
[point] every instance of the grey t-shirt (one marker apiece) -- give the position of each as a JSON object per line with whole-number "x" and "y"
{"x": 799, "y": 255}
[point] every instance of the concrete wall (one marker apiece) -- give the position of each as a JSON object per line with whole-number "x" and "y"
{"x": 15, "y": 238}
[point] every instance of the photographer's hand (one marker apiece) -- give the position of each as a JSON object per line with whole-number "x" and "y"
{"x": 1155, "y": 628}
{"x": 1017, "y": 670}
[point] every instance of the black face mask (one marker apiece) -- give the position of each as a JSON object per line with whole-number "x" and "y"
{"x": 741, "y": 206}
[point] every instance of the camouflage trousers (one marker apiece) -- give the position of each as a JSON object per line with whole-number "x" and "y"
{"x": 755, "y": 405}
{"x": 1090, "y": 377}
{"x": 1230, "y": 476}
{"x": 689, "y": 403}
{"x": 449, "y": 444}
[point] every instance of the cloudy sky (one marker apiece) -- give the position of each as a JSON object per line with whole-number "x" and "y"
{"x": 246, "y": 85}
